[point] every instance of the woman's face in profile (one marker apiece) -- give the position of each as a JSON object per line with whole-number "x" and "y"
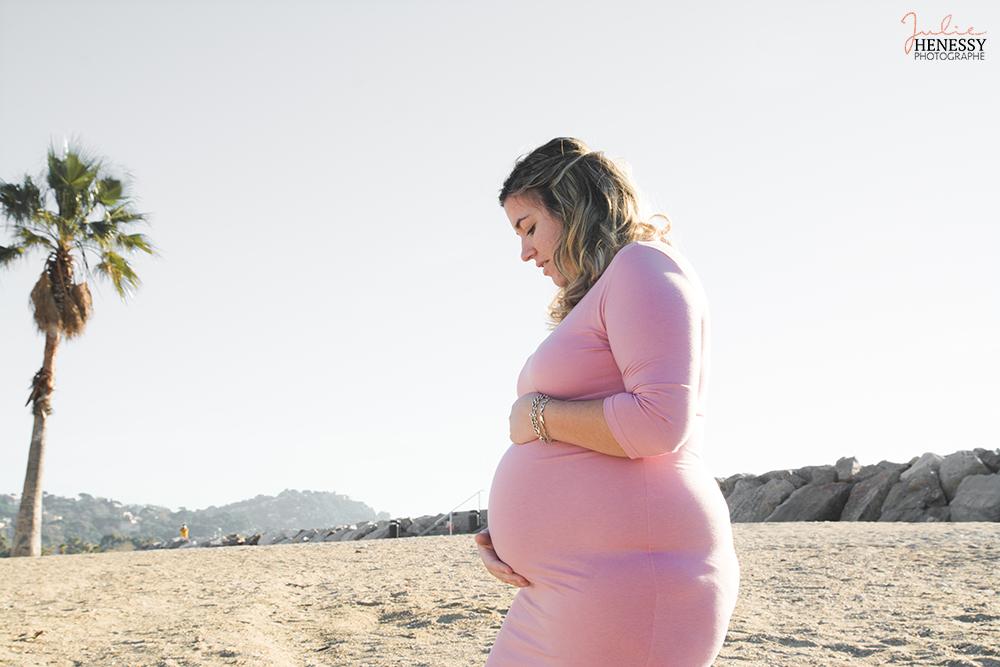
{"x": 539, "y": 233}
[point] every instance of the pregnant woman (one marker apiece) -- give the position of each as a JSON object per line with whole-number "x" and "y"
{"x": 602, "y": 510}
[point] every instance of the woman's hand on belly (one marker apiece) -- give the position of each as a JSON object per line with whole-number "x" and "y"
{"x": 521, "y": 430}
{"x": 494, "y": 565}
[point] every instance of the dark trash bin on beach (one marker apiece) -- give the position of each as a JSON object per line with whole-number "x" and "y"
{"x": 393, "y": 528}
{"x": 473, "y": 521}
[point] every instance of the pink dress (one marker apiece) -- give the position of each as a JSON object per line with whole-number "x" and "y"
{"x": 631, "y": 560}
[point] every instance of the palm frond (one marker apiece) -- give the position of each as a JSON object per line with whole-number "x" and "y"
{"x": 31, "y": 239}
{"x": 122, "y": 215}
{"x": 99, "y": 231}
{"x": 133, "y": 242}
{"x": 70, "y": 178}
{"x": 20, "y": 202}
{"x": 47, "y": 218}
{"x": 117, "y": 268}
{"x": 108, "y": 191}
{"x": 75, "y": 170}
{"x": 10, "y": 253}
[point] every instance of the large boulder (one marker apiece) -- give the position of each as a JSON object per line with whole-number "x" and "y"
{"x": 817, "y": 474}
{"x": 381, "y": 531}
{"x": 977, "y": 499}
{"x": 752, "y": 500}
{"x": 330, "y": 535}
{"x": 729, "y": 483}
{"x": 307, "y": 535}
{"x": 929, "y": 461}
{"x": 813, "y": 502}
{"x": 787, "y": 475}
{"x": 423, "y": 523}
{"x": 880, "y": 467}
{"x": 355, "y": 532}
{"x": 847, "y": 468}
{"x": 273, "y": 537}
{"x": 868, "y": 495}
{"x": 916, "y": 498}
{"x": 958, "y": 466}
{"x": 990, "y": 457}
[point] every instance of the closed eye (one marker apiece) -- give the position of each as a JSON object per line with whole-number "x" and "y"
{"x": 531, "y": 230}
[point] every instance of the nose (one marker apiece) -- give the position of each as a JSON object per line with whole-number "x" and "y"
{"x": 527, "y": 249}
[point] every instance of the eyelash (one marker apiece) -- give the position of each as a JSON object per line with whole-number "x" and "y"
{"x": 530, "y": 231}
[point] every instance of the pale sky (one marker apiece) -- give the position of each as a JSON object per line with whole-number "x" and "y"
{"x": 339, "y": 304}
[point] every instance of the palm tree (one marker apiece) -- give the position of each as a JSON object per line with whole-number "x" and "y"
{"x": 92, "y": 212}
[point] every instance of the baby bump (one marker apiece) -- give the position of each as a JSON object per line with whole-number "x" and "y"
{"x": 562, "y": 506}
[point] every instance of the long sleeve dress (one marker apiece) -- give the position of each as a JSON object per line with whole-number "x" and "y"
{"x": 631, "y": 560}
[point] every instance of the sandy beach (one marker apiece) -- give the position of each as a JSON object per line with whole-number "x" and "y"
{"x": 811, "y": 594}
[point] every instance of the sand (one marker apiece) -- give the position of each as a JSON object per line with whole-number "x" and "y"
{"x": 811, "y": 594}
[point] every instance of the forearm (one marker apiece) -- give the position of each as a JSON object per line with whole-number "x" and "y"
{"x": 581, "y": 423}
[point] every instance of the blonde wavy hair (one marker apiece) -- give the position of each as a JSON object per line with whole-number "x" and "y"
{"x": 597, "y": 205}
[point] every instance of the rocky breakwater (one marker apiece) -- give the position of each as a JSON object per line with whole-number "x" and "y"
{"x": 964, "y": 486}
{"x": 471, "y": 521}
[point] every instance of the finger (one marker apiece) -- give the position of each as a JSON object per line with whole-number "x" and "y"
{"x": 505, "y": 573}
{"x": 515, "y": 580}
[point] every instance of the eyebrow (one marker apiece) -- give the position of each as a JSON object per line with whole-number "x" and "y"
{"x": 517, "y": 225}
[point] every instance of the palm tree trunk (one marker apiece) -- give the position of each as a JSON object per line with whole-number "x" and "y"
{"x": 28, "y": 531}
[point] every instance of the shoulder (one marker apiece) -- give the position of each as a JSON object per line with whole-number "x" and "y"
{"x": 646, "y": 259}
{"x": 651, "y": 269}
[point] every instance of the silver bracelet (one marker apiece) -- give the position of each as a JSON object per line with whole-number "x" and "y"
{"x": 538, "y": 404}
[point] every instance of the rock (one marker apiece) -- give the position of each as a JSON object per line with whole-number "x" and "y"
{"x": 928, "y": 461}
{"x": 332, "y": 533}
{"x": 990, "y": 458}
{"x": 754, "y": 501}
{"x": 273, "y": 537}
{"x": 422, "y": 523}
{"x": 307, "y": 535}
{"x": 233, "y": 540}
{"x": 817, "y": 474}
{"x": 381, "y": 531}
{"x": 977, "y": 499}
{"x": 728, "y": 484}
{"x": 957, "y": 466}
{"x": 813, "y": 502}
{"x": 466, "y": 521}
{"x": 356, "y": 533}
{"x": 847, "y": 468}
{"x": 868, "y": 495}
{"x": 866, "y": 472}
{"x": 916, "y": 498}
{"x": 253, "y": 540}
{"x": 786, "y": 475}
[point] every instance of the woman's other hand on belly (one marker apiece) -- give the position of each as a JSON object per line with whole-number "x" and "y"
{"x": 494, "y": 565}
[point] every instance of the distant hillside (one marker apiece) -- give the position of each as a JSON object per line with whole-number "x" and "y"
{"x": 89, "y": 519}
